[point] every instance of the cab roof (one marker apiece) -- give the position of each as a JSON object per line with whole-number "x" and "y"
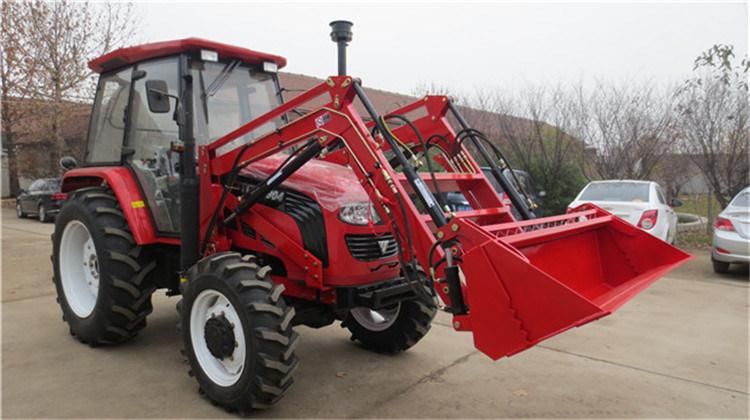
{"x": 130, "y": 55}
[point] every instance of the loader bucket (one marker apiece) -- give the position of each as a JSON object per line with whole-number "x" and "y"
{"x": 534, "y": 279}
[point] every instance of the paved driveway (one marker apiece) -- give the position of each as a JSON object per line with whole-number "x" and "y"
{"x": 679, "y": 349}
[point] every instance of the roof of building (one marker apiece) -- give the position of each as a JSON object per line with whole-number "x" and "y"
{"x": 124, "y": 56}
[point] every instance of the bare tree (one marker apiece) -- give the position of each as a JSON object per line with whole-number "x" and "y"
{"x": 714, "y": 111}
{"x": 673, "y": 171}
{"x": 631, "y": 129}
{"x": 18, "y": 67}
{"x": 533, "y": 126}
{"x": 66, "y": 36}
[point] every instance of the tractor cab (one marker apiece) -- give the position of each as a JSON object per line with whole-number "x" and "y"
{"x": 138, "y": 107}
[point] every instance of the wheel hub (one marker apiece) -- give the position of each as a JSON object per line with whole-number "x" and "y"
{"x": 93, "y": 266}
{"x": 79, "y": 268}
{"x": 373, "y": 320}
{"x": 219, "y": 336}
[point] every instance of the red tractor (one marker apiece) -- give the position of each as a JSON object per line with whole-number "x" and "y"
{"x": 263, "y": 215}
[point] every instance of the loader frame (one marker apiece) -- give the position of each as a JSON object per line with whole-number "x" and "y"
{"x": 493, "y": 273}
{"x": 338, "y": 122}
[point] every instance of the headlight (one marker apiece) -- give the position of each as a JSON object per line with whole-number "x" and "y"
{"x": 361, "y": 214}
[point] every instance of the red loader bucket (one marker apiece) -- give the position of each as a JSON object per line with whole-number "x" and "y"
{"x": 534, "y": 279}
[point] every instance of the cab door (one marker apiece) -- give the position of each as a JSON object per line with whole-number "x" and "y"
{"x": 149, "y": 140}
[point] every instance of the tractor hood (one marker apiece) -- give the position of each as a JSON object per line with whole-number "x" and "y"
{"x": 330, "y": 184}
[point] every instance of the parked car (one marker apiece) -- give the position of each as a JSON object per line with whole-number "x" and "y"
{"x": 731, "y": 243}
{"x": 641, "y": 203}
{"x": 457, "y": 202}
{"x": 43, "y": 199}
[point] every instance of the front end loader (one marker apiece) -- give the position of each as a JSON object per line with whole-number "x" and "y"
{"x": 264, "y": 214}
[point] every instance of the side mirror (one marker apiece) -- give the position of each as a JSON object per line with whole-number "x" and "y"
{"x": 158, "y": 96}
{"x": 68, "y": 163}
{"x": 542, "y": 194}
{"x": 675, "y": 202}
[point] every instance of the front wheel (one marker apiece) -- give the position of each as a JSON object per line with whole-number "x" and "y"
{"x": 237, "y": 332}
{"x": 392, "y": 329}
{"x": 19, "y": 211}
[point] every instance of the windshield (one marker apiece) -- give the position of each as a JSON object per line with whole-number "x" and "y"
{"x": 616, "y": 191}
{"x": 228, "y": 95}
{"x": 742, "y": 200}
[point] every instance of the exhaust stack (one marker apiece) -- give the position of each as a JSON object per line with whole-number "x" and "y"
{"x": 341, "y": 34}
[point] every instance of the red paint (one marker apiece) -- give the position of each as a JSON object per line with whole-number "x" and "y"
{"x": 122, "y": 182}
{"x": 524, "y": 281}
{"x": 125, "y": 56}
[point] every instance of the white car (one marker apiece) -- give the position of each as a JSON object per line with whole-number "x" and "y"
{"x": 641, "y": 203}
{"x": 731, "y": 243}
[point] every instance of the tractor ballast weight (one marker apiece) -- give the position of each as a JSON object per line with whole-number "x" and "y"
{"x": 512, "y": 283}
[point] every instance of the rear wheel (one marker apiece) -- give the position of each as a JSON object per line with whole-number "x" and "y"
{"x": 42, "y": 214}
{"x": 99, "y": 270}
{"x": 237, "y": 332}
{"x": 720, "y": 267}
{"x": 392, "y": 329}
{"x": 19, "y": 210}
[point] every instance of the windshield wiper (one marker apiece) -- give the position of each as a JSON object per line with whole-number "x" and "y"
{"x": 221, "y": 78}
{"x": 215, "y": 85}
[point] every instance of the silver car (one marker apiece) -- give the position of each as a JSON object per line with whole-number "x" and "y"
{"x": 731, "y": 244}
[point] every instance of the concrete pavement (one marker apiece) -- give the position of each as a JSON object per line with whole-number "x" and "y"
{"x": 678, "y": 350}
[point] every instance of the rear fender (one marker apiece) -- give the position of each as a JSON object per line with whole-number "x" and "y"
{"x": 121, "y": 181}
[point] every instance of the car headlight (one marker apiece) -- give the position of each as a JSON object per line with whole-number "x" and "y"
{"x": 360, "y": 214}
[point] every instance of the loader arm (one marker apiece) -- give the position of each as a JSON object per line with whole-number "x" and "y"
{"x": 511, "y": 283}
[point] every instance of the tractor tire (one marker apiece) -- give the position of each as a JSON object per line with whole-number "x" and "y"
{"x": 237, "y": 333}
{"x": 99, "y": 271}
{"x": 393, "y": 329}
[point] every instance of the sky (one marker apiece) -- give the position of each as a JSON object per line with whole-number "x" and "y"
{"x": 467, "y": 47}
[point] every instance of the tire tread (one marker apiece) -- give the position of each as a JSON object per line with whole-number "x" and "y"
{"x": 124, "y": 267}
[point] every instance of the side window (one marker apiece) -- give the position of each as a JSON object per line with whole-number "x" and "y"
{"x": 108, "y": 118}
{"x": 660, "y": 195}
{"x": 36, "y": 185}
{"x": 152, "y": 133}
{"x": 50, "y": 185}
{"x": 150, "y": 136}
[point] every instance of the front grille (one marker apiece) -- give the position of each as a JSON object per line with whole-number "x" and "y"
{"x": 309, "y": 217}
{"x": 304, "y": 210}
{"x": 371, "y": 247}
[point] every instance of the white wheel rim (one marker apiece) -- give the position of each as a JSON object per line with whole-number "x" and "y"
{"x": 373, "y": 320}
{"x": 79, "y": 268}
{"x": 212, "y": 303}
